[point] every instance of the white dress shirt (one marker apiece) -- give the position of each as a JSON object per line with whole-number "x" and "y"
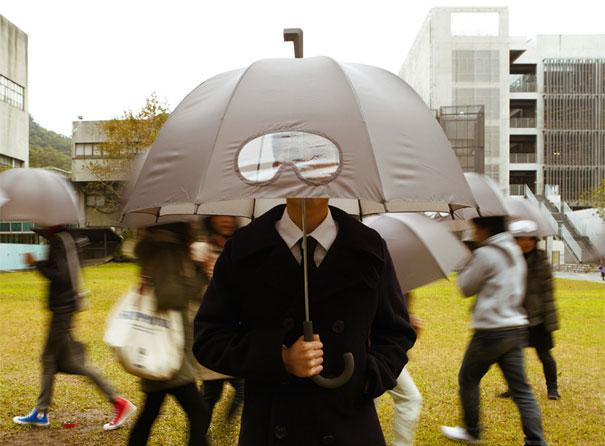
{"x": 325, "y": 234}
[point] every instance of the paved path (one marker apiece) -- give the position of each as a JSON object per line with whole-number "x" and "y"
{"x": 590, "y": 277}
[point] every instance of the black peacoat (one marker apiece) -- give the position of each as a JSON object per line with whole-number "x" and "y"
{"x": 254, "y": 306}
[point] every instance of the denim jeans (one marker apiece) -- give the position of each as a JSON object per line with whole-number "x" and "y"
{"x": 504, "y": 348}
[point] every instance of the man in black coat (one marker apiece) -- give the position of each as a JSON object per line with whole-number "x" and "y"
{"x": 250, "y": 325}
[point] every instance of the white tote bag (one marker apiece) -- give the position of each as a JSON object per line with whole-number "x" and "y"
{"x": 148, "y": 343}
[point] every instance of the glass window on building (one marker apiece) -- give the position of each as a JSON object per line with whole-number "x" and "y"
{"x": 12, "y": 93}
{"x": 95, "y": 200}
{"x": 97, "y": 150}
{"x": 7, "y": 161}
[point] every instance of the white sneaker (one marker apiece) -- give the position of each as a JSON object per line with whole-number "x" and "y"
{"x": 458, "y": 433}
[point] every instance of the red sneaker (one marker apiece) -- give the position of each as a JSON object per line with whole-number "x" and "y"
{"x": 124, "y": 409}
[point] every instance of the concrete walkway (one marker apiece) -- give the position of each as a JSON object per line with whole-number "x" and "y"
{"x": 590, "y": 277}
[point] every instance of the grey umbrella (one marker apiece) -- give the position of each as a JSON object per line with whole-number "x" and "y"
{"x": 299, "y": 128}
{"x": 3, "y": 197}
{"x": 39, "y": 195}
{"x": 487, "y": 195}
{"x": 423, "y": 250}
{"x": 521, "y": 209}
{"x": 273, "y": 129}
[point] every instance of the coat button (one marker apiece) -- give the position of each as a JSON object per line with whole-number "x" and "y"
{"x": 338, "y": 327}
{"x": 327, "y": 439}
{"x": 280, "y": 432}
{"x": 288, "y": 323}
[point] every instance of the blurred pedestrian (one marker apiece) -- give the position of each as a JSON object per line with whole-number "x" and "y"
{"x": 62, "y": 353}
{"x": 602, "y": 269}
{"x": 250, "y": 325}
{"x": 166, "y": 266}
{"x": 539, "y": 302}
{"x": 496, "y": 273}
{"x": 406, "y": 397}
{"x": 219, "y": 229}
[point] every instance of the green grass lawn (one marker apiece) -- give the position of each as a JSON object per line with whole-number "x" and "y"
{"x": 577, "y": 419}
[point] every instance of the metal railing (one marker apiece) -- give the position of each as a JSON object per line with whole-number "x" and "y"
{"x": 522, "y": 157}
{"x": 573, "y": 220}
{"x": 523, "y": 123}
{"x": 551, "y": 193}
{"x": 530, "y": 196}
{"x": 523, "y": 83}
{"x": 549, "y": 218}
{"x": 571, "y": 242}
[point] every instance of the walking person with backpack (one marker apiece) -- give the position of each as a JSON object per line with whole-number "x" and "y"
{"x": 62, "y": 353}
{"x": 539, "y": 302}
{"x": 167, "y": 269}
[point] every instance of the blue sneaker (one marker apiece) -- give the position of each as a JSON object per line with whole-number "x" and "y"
{"x": 36, "y": 418}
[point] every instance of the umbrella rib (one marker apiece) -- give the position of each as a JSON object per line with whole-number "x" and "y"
{"x": 220, "y": 126}
{"x": 365, "y": 124}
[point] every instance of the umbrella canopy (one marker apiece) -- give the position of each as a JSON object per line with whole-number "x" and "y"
{"x": 39, "y": 195}
{"x": 299, "y": 128}
{"x": 489, "y": 199}
{"x": 423, "y": 250}
{"x": 3, "y": 197}
{"x": 521, "y": 209}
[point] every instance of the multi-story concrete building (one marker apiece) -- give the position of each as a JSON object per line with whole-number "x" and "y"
{"x": 557, "y": 103}
{"x": 460, "y": 58}
{"x": 95, "y": 186}
{"x": 544, "y": 98}
{"x": 15, "y": 237}
{"x": 14, "y": 121}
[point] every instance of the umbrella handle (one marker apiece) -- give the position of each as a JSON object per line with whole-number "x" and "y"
{"x": 347, "y": 373}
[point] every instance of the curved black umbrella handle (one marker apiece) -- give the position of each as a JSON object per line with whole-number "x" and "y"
{"x": 347, "y": 373}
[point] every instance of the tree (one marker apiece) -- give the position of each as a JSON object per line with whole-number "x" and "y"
{"x": 596, "y": 198}
{"x": 47, "y": 148}
{"x": 125, "y": 138}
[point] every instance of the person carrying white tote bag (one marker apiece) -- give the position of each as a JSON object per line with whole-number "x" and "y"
{"x": 148, "y": 343}
{"x": 170, "y": 282}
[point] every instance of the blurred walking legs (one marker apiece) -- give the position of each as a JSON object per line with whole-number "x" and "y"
{"x": 189, "y": 399}
{"x": 506, "y": 349}
{"x": 408, "y": 404}
{"x": 213, "y": 390}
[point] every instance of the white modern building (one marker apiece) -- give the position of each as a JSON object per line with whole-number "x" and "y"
{"x": 543, "y": 102}
{"x": 557, "y": 109}
{"x": 543, "y": 98}
{"x": 460, "y": 58}
{"x": 14, "y": 121}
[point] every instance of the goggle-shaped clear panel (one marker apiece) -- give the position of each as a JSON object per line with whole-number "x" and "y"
{"x": 315, "y": 158}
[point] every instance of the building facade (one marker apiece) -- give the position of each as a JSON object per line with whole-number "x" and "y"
{"x": 14, "y": 122}
{"x": 95, "y": 175}
{"x": 563, "y": 78}
{"x": 460, "y": 59}
{"x": 543, "y": 99}
{"x": 15, "y": 237}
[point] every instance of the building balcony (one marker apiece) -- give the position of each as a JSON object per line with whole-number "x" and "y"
{"x": 523, "y": 123}
{"x": 522, "y": 158}
{"x": 523, "y": 83}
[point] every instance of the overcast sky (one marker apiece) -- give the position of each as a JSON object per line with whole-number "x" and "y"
{"x": 98, "y": 58}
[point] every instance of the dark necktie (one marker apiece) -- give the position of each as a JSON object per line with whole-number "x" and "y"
{"x": 311, "y": 245}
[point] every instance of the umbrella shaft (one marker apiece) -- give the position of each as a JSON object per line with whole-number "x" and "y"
{"x": 303, "y": 206}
